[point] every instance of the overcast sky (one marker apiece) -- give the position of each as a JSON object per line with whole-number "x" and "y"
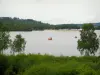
{"x": 52, "y": 11}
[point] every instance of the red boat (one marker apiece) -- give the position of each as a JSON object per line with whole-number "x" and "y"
{"x": 50, "y": 38}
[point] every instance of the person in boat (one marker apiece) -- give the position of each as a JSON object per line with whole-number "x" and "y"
{"x": 50, "y": 38}
{"x": 75, "y": 36}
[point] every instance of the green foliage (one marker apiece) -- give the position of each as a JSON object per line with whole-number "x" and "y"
{"x": 88, "y": 27}
{"x": 40, "y": 70}
{"x": 4, "y": 38}
{"x": 3, "y": 64}
{"x": 86, "y": 70}
{"x": 88, "y": 44}
{"x": 33, "y": 64}
{"x": 16, "y": 24}
{"x": 18, "y": 44}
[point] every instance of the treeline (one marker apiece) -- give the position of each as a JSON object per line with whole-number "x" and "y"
{"x": 98, "y": 27}
{"x": 16, "y": 24}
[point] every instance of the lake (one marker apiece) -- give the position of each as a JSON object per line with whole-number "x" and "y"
{"x": 63, "y": 42}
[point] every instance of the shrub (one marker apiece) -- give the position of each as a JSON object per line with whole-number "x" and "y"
{"x": 3, "y": 64}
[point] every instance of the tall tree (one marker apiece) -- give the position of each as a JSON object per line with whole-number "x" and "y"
{"x": 4, "y": 38}
{"x": 88, "y": 43}
{"x": 18, "y": 45}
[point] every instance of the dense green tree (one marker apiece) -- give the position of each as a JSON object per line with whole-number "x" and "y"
{"x": 88, "y": 43}
{"x": 99, "y": 45}
{"x": 16, "y": 24}
{"x": 18, "y": 45}
{"x": 4, "y": 38}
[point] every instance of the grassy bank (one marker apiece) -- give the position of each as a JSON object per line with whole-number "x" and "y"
{"x": 35, "y": 64}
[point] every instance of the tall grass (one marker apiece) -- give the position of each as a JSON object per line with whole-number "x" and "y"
{"x": 36, "y": 64}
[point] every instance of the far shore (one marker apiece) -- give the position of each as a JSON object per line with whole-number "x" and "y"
{"x": 63, "y": 30}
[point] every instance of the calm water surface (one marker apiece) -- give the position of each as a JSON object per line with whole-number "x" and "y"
{"x": 63, "y": 43}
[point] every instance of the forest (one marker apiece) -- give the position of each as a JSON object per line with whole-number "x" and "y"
{"x": 17, "y": 24}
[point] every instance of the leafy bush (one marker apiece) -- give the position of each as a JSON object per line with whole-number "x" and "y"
{"x": 40, "y": 70}
{"x": 3, "y": 64}
{"x": 34, "y": 64}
